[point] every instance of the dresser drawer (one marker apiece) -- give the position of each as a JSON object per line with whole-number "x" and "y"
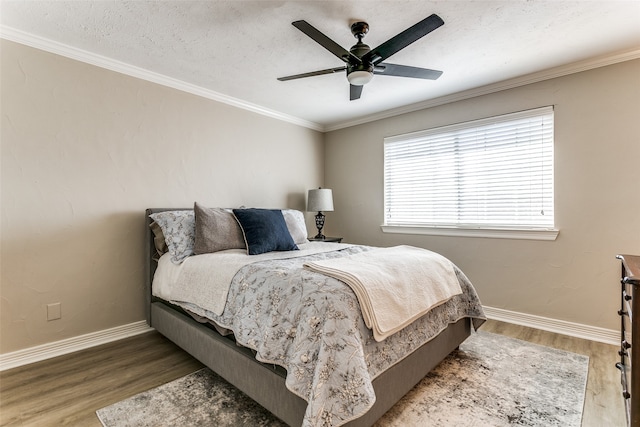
{"x": 630, "y": 334}
{"x": 627, "y": 318}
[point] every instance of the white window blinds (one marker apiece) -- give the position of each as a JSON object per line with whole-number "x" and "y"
{"x": 490, "y": 173}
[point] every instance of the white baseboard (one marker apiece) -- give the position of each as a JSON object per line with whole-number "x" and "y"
{"x": 59, "y": 348}
{"x": 69, "y": 345}
{"x": 593, "y": 333}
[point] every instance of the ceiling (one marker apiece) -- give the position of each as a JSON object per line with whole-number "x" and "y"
{"x": 234, "y": 50}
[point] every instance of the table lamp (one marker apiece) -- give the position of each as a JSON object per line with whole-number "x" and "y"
{"x": 320, "y": 200}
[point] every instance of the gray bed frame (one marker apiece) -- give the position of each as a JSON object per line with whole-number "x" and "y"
{"x": 266, "y": 383}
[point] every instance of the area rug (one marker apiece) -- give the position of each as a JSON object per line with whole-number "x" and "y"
{"x": 492, "y": 380}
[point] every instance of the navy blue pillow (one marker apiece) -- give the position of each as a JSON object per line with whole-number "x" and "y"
{"x": 264, "y": 230}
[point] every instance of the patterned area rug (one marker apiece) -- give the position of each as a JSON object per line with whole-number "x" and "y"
{"x": 491, "y": 381}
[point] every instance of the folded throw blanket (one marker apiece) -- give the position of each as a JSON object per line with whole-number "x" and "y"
{"x": 394, "y": 286}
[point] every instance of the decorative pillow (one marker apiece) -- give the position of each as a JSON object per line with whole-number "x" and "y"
{"x": 296, "y": 225}
{"x": 158, "y": 239}
{"x": 216, "y": 230}
{"x": 179, "y": 229}
{"x": 264, "y": 230}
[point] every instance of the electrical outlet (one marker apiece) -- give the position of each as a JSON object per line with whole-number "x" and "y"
{"x": 54, "y": 311}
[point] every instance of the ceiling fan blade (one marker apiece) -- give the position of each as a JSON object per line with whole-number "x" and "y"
{"x": 326, "y": 42}
{"x": 386, "y": 69}
{"x": 354, "y": 92}
{"x": 312, "y": 73}
{"x": 403, "y": 39}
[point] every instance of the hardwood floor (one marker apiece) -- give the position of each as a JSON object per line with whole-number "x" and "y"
{"x": 67, "y": 390}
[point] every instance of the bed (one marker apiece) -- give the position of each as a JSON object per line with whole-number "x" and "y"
{"x": 238, "y": 353}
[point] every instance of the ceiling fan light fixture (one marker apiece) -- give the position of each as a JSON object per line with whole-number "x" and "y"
{"x": 359, "y": 78}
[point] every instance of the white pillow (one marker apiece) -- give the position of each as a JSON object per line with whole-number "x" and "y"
{"x": 296, "y": 225}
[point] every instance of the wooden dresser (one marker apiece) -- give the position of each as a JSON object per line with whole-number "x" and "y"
{"x": 630, "y": 337}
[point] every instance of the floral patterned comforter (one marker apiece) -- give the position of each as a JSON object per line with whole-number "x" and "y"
{"x": 311, "y": 325}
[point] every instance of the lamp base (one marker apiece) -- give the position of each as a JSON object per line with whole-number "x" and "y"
{"x": 319, "y": 225}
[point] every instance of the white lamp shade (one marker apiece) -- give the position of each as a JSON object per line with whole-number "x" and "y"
{"x": 320, "y": 200}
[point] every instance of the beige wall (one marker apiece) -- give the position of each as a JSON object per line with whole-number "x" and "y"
{"x": 597, "y": 195}
{"x": 84, "y": 152}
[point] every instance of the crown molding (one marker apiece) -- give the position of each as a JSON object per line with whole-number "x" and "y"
{"x": 551, "y": 73}
{"x": 51, "y": 46}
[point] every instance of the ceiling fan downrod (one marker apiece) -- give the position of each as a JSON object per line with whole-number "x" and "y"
{"x": 362, "y": 73}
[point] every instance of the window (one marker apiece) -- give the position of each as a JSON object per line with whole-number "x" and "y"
{"x": 489, "y": 174}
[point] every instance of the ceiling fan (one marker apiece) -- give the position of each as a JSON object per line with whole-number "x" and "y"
{"x": 362, "y": 62}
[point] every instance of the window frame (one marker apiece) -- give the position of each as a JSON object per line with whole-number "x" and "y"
{"x": 471, "y": 230}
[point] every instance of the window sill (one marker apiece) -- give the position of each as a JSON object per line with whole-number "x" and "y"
{"x": 492, "y": 233}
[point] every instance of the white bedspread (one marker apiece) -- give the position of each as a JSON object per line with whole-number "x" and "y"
{"x": 204, "y": 280}
{"x": 394, "y": 286}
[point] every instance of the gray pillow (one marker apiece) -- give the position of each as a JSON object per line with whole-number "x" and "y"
{"x": 216, "y": 230}
{"x": 158, "y": 239}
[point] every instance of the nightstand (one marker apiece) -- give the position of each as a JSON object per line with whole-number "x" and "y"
{"x": 326, "y": 239}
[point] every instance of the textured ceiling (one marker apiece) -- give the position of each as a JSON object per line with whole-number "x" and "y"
{"x": 238, "y": 48}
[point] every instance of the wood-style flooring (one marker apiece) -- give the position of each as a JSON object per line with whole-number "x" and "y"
{"x": 67, "y": 390}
